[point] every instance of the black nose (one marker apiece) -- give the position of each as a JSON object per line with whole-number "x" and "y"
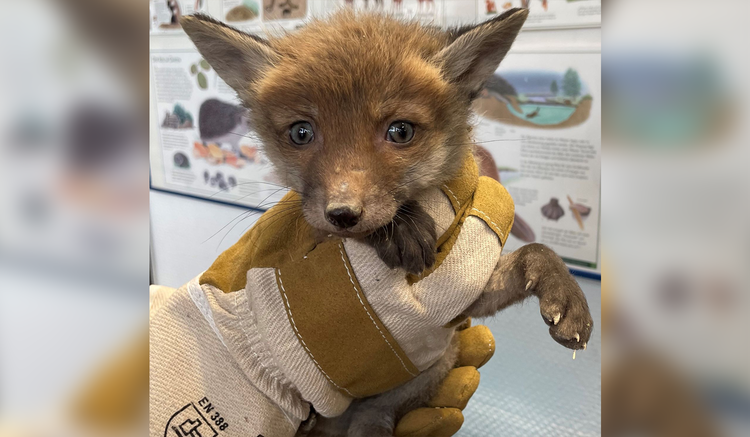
{"x": 343, "y": 216}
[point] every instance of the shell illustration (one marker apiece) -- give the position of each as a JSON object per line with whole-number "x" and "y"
{"x": 553, "y": 210}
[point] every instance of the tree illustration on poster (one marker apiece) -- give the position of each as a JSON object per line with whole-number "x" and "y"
{"x": 553, "y": 88}
{"x": 571, "y": 83}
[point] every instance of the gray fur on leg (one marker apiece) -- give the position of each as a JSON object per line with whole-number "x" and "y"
{"x": 382, "y": 411}
{"x": 376, "y": 416}
{"x": 536, "y": 270}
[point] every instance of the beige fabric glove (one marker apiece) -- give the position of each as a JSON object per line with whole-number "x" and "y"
{"x": 113, "y": 405}
{"x": 443, "y": 417}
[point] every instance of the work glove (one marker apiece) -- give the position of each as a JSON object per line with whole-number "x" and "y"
{"x": 443, "y": 417}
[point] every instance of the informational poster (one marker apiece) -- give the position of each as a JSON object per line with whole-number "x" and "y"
{"x": 205, "y": 144}
{"x": 166, "y": 14}
{"x": 546, "y": 13}
{"x": 424, "y": 11}
{"x": 539, "y": 129}
{"x": 538, "y": 123}
{"x": 264, "y": 15}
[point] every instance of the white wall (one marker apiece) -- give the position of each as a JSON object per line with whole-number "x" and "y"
{"x": 182, "y": 245}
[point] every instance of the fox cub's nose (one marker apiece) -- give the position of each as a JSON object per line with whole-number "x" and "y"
{"x": 343, "y": 216}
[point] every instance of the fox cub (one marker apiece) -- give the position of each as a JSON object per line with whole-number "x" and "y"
{"x": 361, "y": 114}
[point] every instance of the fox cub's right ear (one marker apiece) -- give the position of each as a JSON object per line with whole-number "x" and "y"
{"x": 477, "y": 51}
{"x": 238, "y": 58}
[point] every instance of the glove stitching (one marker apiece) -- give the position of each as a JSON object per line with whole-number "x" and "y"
{"x": 452, "y": 194}
{"x": 341, "y": 250}
{"x": 294, "y": 325}
{"x": 497, "y": 228}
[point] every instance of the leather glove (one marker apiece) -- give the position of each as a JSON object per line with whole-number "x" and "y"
{"x": 442, "y": 417}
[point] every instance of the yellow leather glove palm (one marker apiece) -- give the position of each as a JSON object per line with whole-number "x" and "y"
{"x": 443, "y": 416}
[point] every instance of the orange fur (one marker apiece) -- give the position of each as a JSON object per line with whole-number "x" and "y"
{"x": 350, "y": 76}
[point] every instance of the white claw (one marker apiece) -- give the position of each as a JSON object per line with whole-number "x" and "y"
{"x": 584, "y": 346}
{"x": 556, "y": 319}
{"x": 528, "y": 285}
{"x": 574, "y": 354}
{"x": 577, "y": 337}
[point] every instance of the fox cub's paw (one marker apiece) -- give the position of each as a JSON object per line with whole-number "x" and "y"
{"x": 562, "y": 303}
{"x": 564, "y": 308}
{"x": 408, "y": 241}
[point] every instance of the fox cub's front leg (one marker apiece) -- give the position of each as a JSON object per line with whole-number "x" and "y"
{"x": 408, "y": 241}
{"x": 536, "y": 269}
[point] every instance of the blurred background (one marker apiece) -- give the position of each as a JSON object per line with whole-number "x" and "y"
{"x": 675, "y": 192}
{"x": 74, "y": 234}
{"x": 74, "y": 218}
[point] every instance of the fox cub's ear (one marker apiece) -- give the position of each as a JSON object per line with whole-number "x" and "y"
{"x": 476, "y": 52}
{"x": 238, "y": 57}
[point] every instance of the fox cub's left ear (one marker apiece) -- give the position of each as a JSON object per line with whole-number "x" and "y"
{"x": 238, "y": 58}
{"x": 476, "y": 53}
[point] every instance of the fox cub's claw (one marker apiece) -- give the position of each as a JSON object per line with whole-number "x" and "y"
{"x": 408, "y": 241}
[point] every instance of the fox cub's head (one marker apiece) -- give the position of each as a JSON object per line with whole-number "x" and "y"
{"x": 359, "y": 113}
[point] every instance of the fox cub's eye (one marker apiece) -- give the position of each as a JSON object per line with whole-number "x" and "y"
{"x": 301, "y": 133}
{"x": 400, "y": 132}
